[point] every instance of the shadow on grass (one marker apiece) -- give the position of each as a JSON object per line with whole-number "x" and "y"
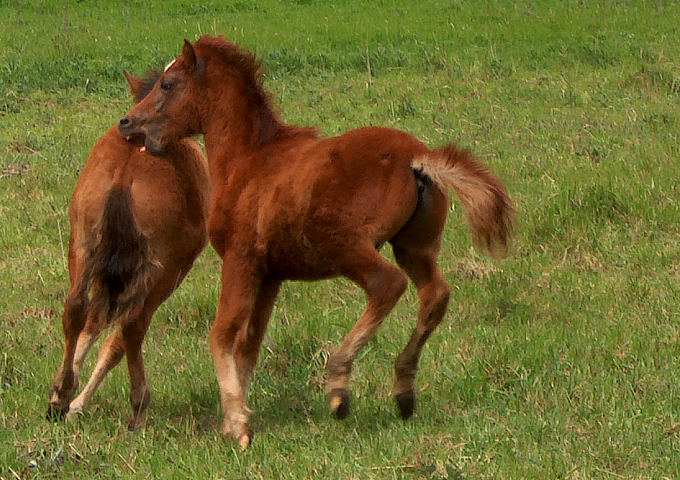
{"x": 294, "y": 411}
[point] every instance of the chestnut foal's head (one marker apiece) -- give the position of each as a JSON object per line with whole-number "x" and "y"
{"x": 169, "y": 111}
{"x": 139, "y": 88}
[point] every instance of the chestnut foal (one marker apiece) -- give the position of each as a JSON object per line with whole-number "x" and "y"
{"x": 289, "y": 205}
{"x": 138, "y": 221}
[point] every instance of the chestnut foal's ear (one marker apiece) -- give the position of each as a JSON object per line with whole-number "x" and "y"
{"x": 133, "y": 81}
{"x": 189, "y": 53}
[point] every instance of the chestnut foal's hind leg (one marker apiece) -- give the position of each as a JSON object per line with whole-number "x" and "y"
{"x": 433, "y": 292}
{"x": 383, "y": 283}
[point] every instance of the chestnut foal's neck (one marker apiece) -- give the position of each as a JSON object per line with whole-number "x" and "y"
{"x": 235, "y": 125}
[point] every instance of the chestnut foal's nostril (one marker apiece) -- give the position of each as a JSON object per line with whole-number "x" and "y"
{"x": 124, "y": 122}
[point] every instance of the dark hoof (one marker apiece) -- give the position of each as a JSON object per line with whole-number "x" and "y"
{"x": 406, "y": 402}
{"x": 135, "y": 423}
{"x": 339, "y": 401}
{"x": 246, "y": 439}
{"x": 55, "y": 413}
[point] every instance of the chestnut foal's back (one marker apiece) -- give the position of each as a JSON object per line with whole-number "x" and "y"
{"x": 138, "y": 221}
{"x": 288, "y": 205}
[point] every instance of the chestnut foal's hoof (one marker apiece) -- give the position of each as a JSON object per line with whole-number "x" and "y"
{"x": 406, "y": 401}
{"x": 339, "y": 402}
{"x": 55, "y": 413}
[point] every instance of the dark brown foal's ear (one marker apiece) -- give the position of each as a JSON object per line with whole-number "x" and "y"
{"x": 189, "y": 56}
{"x": 133, "y": 81}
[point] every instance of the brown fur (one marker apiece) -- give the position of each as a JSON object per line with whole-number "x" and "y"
{"x": 137, "y": 223}
{"x": 289, "y": 205}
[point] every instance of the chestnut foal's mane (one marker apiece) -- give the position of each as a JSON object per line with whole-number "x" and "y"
{"x": 266, "y": 125}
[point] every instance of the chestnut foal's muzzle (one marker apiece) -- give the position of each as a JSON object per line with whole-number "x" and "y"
{"x": 129, "y": 127}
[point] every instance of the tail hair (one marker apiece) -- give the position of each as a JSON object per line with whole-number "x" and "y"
{"x": 488, "y": 206}
{"x": 120, "y": 266}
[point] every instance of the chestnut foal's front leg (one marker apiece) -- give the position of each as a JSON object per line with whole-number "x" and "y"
{"x": 240, "y": 285}
{"x": 384, "y": 284}
{"x": 249, "y": 339}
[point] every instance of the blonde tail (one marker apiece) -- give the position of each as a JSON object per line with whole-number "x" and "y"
{"x": 488, "y": 206}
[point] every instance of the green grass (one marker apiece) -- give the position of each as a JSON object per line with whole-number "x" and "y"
{"x": 559, "y": 362}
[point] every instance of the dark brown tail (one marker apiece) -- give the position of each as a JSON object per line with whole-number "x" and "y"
{"x": 120, "y": 266}
{"x": 488, "y": 206}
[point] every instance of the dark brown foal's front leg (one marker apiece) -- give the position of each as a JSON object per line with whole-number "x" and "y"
{"x": 384, "y": 284}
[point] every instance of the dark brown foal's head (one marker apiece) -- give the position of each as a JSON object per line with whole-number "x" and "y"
{"x": 169, "y": 110}
{"x": 140, "y": 87}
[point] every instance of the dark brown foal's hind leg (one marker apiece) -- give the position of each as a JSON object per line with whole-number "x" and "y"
{"x": 66, "y": 381}
{"x": 416, "y": 248}
{"x": 133, "y": 331}
{"x": 110, "y": 353}
{"x": 383, "y": 283}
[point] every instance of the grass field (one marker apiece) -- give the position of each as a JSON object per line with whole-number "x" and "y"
{"x": 560, "y": 362}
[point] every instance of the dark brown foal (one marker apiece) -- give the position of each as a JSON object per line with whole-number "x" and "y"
{"x": 138, "y": 221}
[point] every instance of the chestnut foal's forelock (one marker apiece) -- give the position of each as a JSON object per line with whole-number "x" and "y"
{"x": 288, "y": 205}
{"x": 170, "y": 64}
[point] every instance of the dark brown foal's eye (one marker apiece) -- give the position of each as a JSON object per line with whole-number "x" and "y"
{"x": 166, "y": 84}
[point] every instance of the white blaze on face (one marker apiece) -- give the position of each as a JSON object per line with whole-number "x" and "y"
{"x": 167, "y": 67}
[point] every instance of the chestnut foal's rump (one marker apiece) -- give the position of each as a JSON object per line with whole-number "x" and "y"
{"x": 288, "y": 205}
{"x": 138, "y": 221}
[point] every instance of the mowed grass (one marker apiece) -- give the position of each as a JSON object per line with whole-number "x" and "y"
{"x": 558, "y": 362}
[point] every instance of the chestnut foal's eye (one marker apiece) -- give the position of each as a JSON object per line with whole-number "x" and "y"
{"x": 166, "y": 84}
